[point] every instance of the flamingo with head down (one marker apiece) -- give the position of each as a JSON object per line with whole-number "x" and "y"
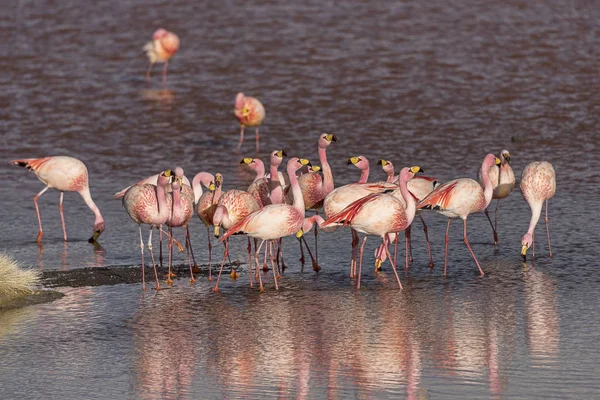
{"x": 250, "y": 112}
{"x": 538, "y": 185}
{"x": 163, "y": 46}
{"x": 459, "y": 198}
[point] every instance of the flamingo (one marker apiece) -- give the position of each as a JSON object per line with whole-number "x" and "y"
{"x": 260, "y": 186}
{"x": 163, "y": 46}
{"x": 388, "y": 168}
{"x": 233, "y": 206}
{"x": 205, "y": 208}
{"x": 316, "y": 186}
{"x": 181, "y": 204}
{"x": 153, "y": 180}
{"x": 503, "y": 182}
{"x": 65, "y": 174}
{"x": 459, "y": 198}
{"x": 380, "y": 214}
{"x": 277, "y": 179}
{"x": 538, "y": 184}
{"x": 250, "y": 112}
{"x": 275, "y": 220}
{"x": 147, "y": 204}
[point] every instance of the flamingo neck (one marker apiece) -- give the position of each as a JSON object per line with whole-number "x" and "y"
{"x": 296, "y": 191}
{"x": 488, "y": 189}
{"x": 408, "y": 199}
{"x": 260, "y": 170}
{"x": 390, "y": 176}
{"x": 217, "y": 195}
{"x": 163, "y": 210}
{"x": 221, "y": 217}
{"x": 202, "y": 178}
{"x": 364, "y": 175}
{"x": 87, "y": 198}
{"x": 327, "y": 175}
{"x": 176, "y": 206}
{"x": 536, "y": 211}
{"x": 276, "y": 188}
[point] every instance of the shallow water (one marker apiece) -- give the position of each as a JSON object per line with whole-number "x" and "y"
{"x": 435, "y": 84}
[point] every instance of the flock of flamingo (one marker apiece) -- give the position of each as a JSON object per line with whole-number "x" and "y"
{"x": 274, "y": 205}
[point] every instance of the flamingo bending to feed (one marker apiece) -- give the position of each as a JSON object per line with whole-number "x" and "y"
{"x": 147, "y": 204}
{"x": 233, "y": 206}
{"x": 205, "y": 208}
{"x": 380, "y": 214}
{"x": 250, "y": 112}
{"x": 275, "y": 220}
{"x": 538, "y": 184}
{"x": 459, "y": 198}
{"x": 65, "y": 174}
{"x": 503, "y": 182}
{"x": 181, "y": 204}
{"x": 163, "y": 46}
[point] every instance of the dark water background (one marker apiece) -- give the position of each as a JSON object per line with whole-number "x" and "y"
{"x": 438, "y": 84}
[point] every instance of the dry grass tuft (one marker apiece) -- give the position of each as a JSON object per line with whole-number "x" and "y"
{"x": 15, "y": 281}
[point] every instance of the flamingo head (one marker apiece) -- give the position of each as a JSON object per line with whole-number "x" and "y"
{"x": 315, "y": 168}
{"x": 159, "y": 34}
{"x": 218, "y": 180}
{"x": 169, "y": 42}
{"x": 406, "y": 174}
{"x": 387, "y": 166}
{"x": 98, "y": 229}
{"x": 277, "y": 157}
{"x": 242, "y": 106}
{"x": 179, "y": 175}
{"x": 217, "y": 219}
{"x": 505, "y": 156}
{"x": 165, "y": 178}
{"x": 526, "y": 242}
{"x": 360, "y": 162}
{"x": 254, "y": 163}
{"x": 295, "y": 163}
{"x": 489, "y": 161}
{"x": 325, "y": 140}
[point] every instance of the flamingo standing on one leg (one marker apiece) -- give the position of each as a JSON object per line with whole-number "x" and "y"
{"x": 147, "y": 204}
{"x": 163, "y": 46}
{"x": 65, "y": 174}
{"x": 538, "y": 184}
{"x": 233, "y": 206}
{"x": 380, "y": 214}
{"x": 250, "y": 112}
{"x": 503, "y": 182}
{"x": 275, "y": 220}
{"x": 459, "y": 198}
{"x": 205, "y": 208}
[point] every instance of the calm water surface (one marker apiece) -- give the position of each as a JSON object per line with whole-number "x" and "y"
{"x": 438, "y": 84}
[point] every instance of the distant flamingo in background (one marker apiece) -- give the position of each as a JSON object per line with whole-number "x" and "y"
{"x": 147, "y": 204}
{"x": 275, "y": 220}
{"x": 459, "y": 198}
{"x": 380, "y": 214}
{"x": 538, "y": 184}
{"x": 205, "y": 208}
{"x": 503, "y": 182}
{"x": 250, "y": 112}
{"x": 163, "y": 46}
{"x": 233, "y": 206}
{"x": 65, "y": 174}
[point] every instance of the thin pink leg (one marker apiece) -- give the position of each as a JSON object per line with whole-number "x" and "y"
{"x": 315, "y": 266}
{"x": 362, "y": 249}
{"x": 316, "y": 242}
{"x": 189, "y": 239}
{"x": 355, "y": 242}
{"x": 273, "y": 266}
{"x": 164, "y": 72}
{"x": 427, "y": 239}
{"x": 469, "y": 246}
{"x": 547, "y": 230}
{"x": 241, "y": 137}
{"x": 447, "y": 240}
{"x": 408, "y": 238}
{"x": 396, "y": 249}
{"x": 256, "y": 273}
{"x": 209, "y": 254}
{"x": 265, "y": 266}
{"x": 216, "y": 288}
{"x": 37, "y": 210}
{"x": 142, "y": 248}
{"x": 152, "y": 257}
{"x": 148, "y": 72}
{"x": 407, "y": 241}
{"x": 170, "y": 274}
{"x": 188, "y": 246}
{"x": 256, "y": 256}
{"x": 250, "y": 260}
{"x": 257, "y": 141}
{"x": 62, "y": 215}
{"x": 302, "y": 259}
{"x": 496, "y": 219}
{"x": 393, "y": 266}
{"x": 160, "y": 254}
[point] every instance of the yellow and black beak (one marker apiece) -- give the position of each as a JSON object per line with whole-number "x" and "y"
{"x": 330, "y": 138}
{"x": 246, "y": 160}
{"x": 316, "y": 168}
{"x": 497, "y": 160}
{"x": 212, "y": 187}
{"x": 353, "y": 160}
{"x": 218, "y": 180}
{"x": 507, "y": 158}
{"x": 299, "y": 234}
{"x": 95, "y": 237}
{"x": 524, "y": 252}
{"x": 217, "y": 230}
{"x": 416, "y": 169}
{"x": 281, "y": 154}
{"x": 382, "y": 162}
{"x": 304, "y": 161}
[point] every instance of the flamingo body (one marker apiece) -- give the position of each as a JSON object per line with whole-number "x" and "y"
{"x": 250, "y": 112}
{"x": 163, "y": 46}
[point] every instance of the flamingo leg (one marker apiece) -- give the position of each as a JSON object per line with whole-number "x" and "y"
{"x": 164, "y": 72}
{"x": 316, "y": 242}
{"x": 142, "y": 248}
{"x": 169, "y": 274}
{"x": 257, "y": 141}
{"x": 256, "y": 273}
{"x": 225, "y": 253}
{"x": 533, "y": 245}
{"x": 496, "y": 218}
{"x": 152, "y": 257}
{"x": 209, "y": 254}
{"x": 547, "y": 230}
{"x": 492, "y": 225}
{"x": 250, "y": 260}
{"x": 189, "y": 239}
{"x": 408, "y": 238}
{"x": 280, "y": 254}
{"x": 37, "y": 210}
{"x": 447, "y": 240}
{"x": 393, "y": 264}
{"x": 273, "y": 265}
{"x": 396, "y": 240}
{"x": 315, "y": 265}
{"x": 256, "y": 256}
{"x": 188, "y": 246}
{"x": 265, "y": 266}
{"x": 469, "y": 246}
{"x": 62, "y": 215}
{"x": 407, "y": 246}
{"x": 148, "y": 72}
{"x": 427, "y": 239}
{"x": 160, "y": 254}
{"x": 302, "y": 259}
{"x": 241, "y": 137}
{"x": 362, "y": 249}
{"x": 355, "y": 242}
{"x": 379, "y": 258}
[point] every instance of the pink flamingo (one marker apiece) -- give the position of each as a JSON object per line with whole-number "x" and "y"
{"x": 276, "y": 178}
{"x": 152, "y": 180}
{"x": 205, "y": 208}
{"x": 316, "y": 186}
{"x": 503, "y": 182}
{"x": 65, "y": 174}
{"x": 380, "y": 214}
{"x": 250, "y": 112}
{"x": 233, "y": 206}
{"x": 163, "y": 46}
{"x": 147, "y": 204}
{"x": 181, "y": 204}
{"x": 538, "y": 184}
{"x": 275, "y": 220}
{"x": 388, "y": 168}
{"x": 459, "y": 198}
{"x": 260, "y": 186}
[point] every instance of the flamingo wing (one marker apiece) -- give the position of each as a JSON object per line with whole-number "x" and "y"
{"x": 32, "y": 164}
{"x": 347, "y": 214}
{"x": 439, "y": 198}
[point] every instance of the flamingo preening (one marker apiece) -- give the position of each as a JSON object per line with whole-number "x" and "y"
{"x": 147, "y": 204}
{"x": 380, "y": 214}
{"x": 250, "y": 112}
{"x": 65, "y": 174}
{"x": 459, "y": 198}
{"x": 163, "y": 46}
{"x": 275, "y": 221}
{"x": 503, "y": 182}
{"x": 538, "y": 184}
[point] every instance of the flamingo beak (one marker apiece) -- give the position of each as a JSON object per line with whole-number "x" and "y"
{"x": 353, "y": 160}
{"x": 246, "y": 161}
{"x": 416, "y": 169}
{"x": 498, "y": 162}
{"x": 378, "y": 263}
{"x": 217, "y": 231}
{"x": 95, "y": 237}
{"x": 524, "y": 252}
{"x": 507, "y": 158}
{"x": 382, "y": 162}
{"x": 299, "y": 234}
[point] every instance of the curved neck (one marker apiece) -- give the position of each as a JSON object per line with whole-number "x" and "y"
{"x": 488, "y": 189}
{"x": 390, "y": 176}
{"x": 163, "y": 210}
{"x": 176, "y": 201}
{"x": 260, "y": 170}
{"x": 408, "y": 199}
{"x": 536, "y": 211}
{"x": 364, "y": 175}
{"x": 296, "y": 191}
{"x": 202, "y": 178}
{"x": 87, "y": 198}
{"x": 327, "y": 175}
{"x": 221, "y": 217}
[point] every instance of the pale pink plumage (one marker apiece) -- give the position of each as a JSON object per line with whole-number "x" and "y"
{"x": 249, "y": 112}
{"x": 163, "y": 46}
